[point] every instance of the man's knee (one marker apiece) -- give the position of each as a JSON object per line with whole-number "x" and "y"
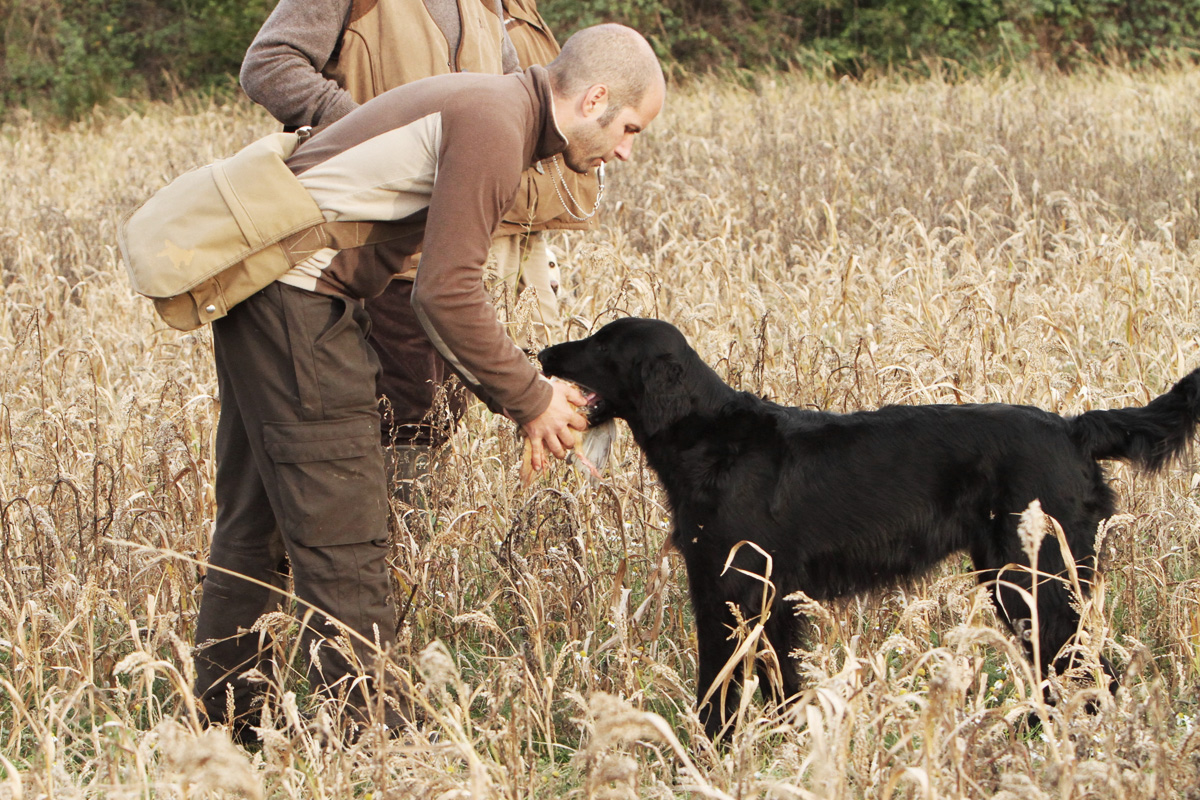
{"x": 348, "y": 587}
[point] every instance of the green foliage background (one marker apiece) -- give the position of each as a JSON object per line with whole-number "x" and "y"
{"x": 850, "y": 36}
{"x": 64, "y": 56}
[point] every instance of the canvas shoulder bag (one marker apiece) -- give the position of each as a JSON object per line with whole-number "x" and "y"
{"x": 218, "y": 234}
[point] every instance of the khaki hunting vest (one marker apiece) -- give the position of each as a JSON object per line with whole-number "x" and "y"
{"x": 390, "y": 43}
{"x": 538, "y": 206}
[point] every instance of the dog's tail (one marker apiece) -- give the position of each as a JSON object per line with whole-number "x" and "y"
{"x": 1149, "y": 437}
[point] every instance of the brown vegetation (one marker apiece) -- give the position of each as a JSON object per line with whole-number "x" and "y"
{"x": 838, "y": 245}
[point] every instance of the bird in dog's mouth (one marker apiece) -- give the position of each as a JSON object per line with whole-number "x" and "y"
{"x": 594, "y": 405}
{"x": 594, "y": 446}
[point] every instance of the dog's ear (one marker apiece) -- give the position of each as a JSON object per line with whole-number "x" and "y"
{"x": 665, "y": 398}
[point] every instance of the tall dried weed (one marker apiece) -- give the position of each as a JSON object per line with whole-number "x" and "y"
{"x": 1029, "y": 239}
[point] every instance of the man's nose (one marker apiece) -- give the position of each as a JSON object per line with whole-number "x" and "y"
{"x": 625, "y": 148}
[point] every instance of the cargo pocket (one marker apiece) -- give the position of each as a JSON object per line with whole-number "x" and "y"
{"x": 330, "y": 479}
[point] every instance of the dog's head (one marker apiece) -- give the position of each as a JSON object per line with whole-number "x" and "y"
{"x": 635, "y": 369}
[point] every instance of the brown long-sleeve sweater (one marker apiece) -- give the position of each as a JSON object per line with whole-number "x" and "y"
{"x": 444, "y": 154}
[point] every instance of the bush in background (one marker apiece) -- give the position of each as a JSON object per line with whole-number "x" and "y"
{"x": 849, "y": 36}
{"x": 64, "y": 56}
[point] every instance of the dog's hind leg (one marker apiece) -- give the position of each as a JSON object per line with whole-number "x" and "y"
{"x": 1060, "y": 598}
{"x": 1012, "y": 580}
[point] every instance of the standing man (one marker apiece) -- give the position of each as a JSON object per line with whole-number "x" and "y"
{"x": 315, "y": 60}
{"x": 550, "y": 197}
{"x": 300, "y": 469}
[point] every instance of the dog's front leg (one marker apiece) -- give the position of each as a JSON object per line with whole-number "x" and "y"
{"x": 717, "y": 689}
{"x": 781, "y": 680}
{"x": 719, "y": 678}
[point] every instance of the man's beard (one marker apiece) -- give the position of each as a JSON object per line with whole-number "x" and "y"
{"x": 582, "y": 150}
{"x": 575, "y": 163}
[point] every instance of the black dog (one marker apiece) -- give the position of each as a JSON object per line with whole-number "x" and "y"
{"x": 846, "y": 502}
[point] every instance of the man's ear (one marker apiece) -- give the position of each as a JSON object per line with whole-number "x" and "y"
{"x": 593, "y": 101}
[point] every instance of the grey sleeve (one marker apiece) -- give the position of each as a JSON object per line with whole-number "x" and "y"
{"x": 510, "y": 61}
{"x": 282, "y": 67}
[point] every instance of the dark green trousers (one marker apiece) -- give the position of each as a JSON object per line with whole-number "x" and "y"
{"x": 300, "y": 486}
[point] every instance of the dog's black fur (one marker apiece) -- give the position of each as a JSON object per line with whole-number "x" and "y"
{"x": 846, "y": 502}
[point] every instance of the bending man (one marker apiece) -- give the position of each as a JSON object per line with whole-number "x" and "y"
{"x": 300, "y": 469}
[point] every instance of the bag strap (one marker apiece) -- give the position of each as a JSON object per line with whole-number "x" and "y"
{"x": 345, "y": 235}
{"x": 340, "y": 236}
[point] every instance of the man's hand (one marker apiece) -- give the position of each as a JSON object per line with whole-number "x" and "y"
{"x": 554, "y": 429}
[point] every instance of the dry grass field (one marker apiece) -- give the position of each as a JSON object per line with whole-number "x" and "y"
{"x": 835, "y": 245}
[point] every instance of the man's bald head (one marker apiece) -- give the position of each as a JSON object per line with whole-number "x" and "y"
{"x": 616, "y": 56}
